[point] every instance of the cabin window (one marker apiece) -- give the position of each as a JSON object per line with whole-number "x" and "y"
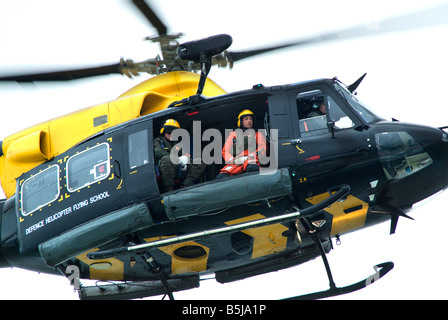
{"x": 400, "y": 154}
{"x": 88, "y": 167}
{"x": 40, "y": 190}
{"x": 138, "y": 149}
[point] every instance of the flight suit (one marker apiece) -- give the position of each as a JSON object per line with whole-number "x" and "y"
{"x": 251, "y": 144}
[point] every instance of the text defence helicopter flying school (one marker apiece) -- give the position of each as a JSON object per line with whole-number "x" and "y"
{"x": 82, "y": 190}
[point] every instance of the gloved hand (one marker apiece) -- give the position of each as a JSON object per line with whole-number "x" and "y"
{"x": 239, "y": 160}
{"x": 183, "y": 161}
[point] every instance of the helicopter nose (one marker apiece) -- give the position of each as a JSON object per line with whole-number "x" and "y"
{"x": 434, "y": 160}
{"x": 430, "y": 156}
{"x": 415, "y": 161}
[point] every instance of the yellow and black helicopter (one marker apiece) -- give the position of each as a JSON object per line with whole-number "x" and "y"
{"x": 82, "y": 191}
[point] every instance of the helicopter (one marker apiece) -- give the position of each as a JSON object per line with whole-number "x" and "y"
{"x": 307, "y": 92}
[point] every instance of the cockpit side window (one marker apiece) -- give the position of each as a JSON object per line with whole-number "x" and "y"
{"x": 342, "y": 121}
{"x": 315, "y": 109}
{"x": 312, "y": 111}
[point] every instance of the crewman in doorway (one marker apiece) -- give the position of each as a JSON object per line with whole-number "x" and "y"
{"x": 243, "y": 147}
{"x": 184, "y": 171}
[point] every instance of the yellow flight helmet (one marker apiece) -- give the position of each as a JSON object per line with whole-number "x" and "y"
{"x": 169, "y": 125}
{"x": 245, "y": 112}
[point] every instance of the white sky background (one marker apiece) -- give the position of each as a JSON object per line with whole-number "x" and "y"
{"x": 407, "y": 79}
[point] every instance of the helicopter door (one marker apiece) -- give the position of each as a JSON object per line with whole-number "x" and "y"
{"x": 139, "y": 173}
{"x": 281, "y": 119}
{"x": 328, "y": 142}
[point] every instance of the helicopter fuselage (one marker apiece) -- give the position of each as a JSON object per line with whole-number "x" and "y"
{"x": 110, "y": 183}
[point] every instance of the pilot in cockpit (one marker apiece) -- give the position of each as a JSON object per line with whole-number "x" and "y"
{"x": 318, "y": 108}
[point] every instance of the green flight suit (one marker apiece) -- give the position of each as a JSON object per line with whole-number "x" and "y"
{"x": 170, "y": 171}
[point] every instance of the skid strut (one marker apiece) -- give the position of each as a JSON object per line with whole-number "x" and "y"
{"x": 380, "y": 271}
{"x": 155, "y": 269}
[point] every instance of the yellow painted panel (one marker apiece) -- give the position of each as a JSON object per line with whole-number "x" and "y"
{"x": 68, "y": 130}
{"x": 178, "y": 84}
{"x": 343, "y": 222}
{"x": 267, "y": 240}
{"x": 180, "y": 265}
{"x": 114, "y": 272}
{"x": 34, "y": 147}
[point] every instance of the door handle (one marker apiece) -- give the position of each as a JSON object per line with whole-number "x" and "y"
{"x": 117, "y": 169}
{"x": 292, "y": 142}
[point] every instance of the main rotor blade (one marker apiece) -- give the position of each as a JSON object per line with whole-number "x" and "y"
{"x": 151, "y": 16}
{"x": 66, "y": 75}
{"x": 426, "y": 18}
{"x": 239, "y": 55}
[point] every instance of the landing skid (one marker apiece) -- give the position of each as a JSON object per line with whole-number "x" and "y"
{"x": 380, "y": 271}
